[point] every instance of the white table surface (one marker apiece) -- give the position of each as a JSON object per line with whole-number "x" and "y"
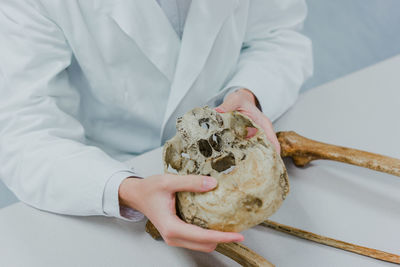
{"x": 345, "y": 202}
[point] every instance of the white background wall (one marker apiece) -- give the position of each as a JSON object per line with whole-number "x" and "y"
{"x": 347, "y": 35}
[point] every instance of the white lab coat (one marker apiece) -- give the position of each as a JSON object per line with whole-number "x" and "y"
{"x": 87, "y": 84}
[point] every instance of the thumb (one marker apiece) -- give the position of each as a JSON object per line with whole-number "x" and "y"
{"x": 227, "y": 106}
{"x": 190, "y": 183}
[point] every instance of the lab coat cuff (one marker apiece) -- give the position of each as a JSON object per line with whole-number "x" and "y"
{"x": 111, "y": 205}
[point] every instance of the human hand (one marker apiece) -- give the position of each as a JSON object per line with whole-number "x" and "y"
{"x": 244, "y": 101}
{"x": 155, "y": 198}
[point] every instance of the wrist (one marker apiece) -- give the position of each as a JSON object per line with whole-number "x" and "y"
{"x": 248, "y": 94}
{"x": 129, "y": 192}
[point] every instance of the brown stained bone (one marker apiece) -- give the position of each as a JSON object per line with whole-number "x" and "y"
{"x": 369, "y": 252}
{"x": 237, "y": 252}
{"x": 303, "y": 150}
{"x": 242, "y": 255}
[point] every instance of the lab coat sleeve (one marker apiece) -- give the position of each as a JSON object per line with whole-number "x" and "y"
{"x": 43, "y": 155}
{"x": 275, "y": 58}
{"x": 111, "y": 198}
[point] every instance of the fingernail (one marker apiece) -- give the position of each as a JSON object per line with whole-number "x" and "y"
{"x": 240, "y": 239}
{"x": 220, "y": 110}
{"x": 209, "y": 183}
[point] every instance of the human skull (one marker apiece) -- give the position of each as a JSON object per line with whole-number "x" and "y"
{"x": 252, "y": 179}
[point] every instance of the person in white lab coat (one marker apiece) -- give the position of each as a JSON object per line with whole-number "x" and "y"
{"x": 86, "y": 85}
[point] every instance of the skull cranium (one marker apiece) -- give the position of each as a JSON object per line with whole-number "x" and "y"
{"x": 252, "y": 179}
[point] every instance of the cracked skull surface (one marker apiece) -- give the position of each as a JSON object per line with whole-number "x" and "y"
{"x": 252, "y": 178}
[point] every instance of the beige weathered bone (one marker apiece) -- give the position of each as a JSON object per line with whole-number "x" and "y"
{"x": 369, "y": 252}
{"x": 237, "y": 252}
{"x": 252, "y": 178}
{"x": 303, "y": 150}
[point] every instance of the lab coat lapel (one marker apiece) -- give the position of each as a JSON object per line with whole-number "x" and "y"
{"x": 204, "y": 21}
{"x": 145, "y": 22}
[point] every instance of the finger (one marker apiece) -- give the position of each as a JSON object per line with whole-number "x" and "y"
{"x": 262, "y": 121}
{"x": 232, "y": 102}
{"x": 190, "y": 183}
{"x": 203, "y": 247}
{"x": 271, "y": 135}
{"x": 227, "y": 106}
{"x": 195, "y": 233}
{"x": 251, "y": 132}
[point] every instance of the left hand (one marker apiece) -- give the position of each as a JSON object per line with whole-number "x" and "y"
{"x": 244, "y": 101}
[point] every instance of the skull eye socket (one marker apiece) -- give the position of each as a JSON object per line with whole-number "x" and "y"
{"x": 204, "y": 123}
{"x": 224, "y": 163}
{"x": 215, "y": 141}
{"x": 205, "y": 148}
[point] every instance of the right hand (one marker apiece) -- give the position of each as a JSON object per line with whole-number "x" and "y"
{"x": 155, "y": 198}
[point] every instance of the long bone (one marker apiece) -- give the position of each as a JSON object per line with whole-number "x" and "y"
{"x": 369, "y": 252}
{"x": 303, "y": 150}
{"x": 236, "y": 251}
